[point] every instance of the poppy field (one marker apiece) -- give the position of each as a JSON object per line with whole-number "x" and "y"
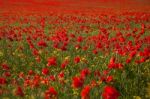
{"x": 62, "y": 53}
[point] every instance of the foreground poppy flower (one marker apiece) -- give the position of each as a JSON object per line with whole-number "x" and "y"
{"x": 110, "y": 93}
{"x": 77, "y": 82}
{"x": 52, "y": 77}
{"x": 109, "y": 79}
{"x": 45, "y": 71}
{"x": 80, "y": 39}
{"x": 5, "y": 67}
{"x": 51, "y": 93}
{"x": 77, "y": 59}
{"x": 2, "y": 81}
{"x": 7, "y": 74}
{"x": 84, "y": 72}
{"x": 85, "y": 92}
{"x": 64, "y": 64}
{"x": 19, "y": 92}
{"x": 31, "y": 72}
{"x": 51, "y": 61}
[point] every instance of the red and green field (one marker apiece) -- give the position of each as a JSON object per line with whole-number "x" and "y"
{"x": 61, "y": 49}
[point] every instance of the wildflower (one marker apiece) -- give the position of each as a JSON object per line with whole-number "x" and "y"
{"x": 84, "y": 48}
{"x": 119, "y": 66}
{"x": 97, "y": 73}
{"x": 35, "y": 52}
{"x": 51, "y": 61}
{"x": 2, "y": 81}
{"x": 77, "y": 59}
{"x": 77, "y": 46}
{"x": 84, "y": 72}
{"x": 31, "y": 72}
{"x": 7, "y": 74}
{"x": 5, "y": 67}
{"x": 72, "y": 35}
{"x": 128, "y": 60}
{"x": 80, "y": 39}
{"x": 64, "y": 64}
{"x": 95, "y": 51}
{"x": 112, "y": 60}
{"x": 50, "y": 93}
{"x": 45, "y": 71}
{"x": 132, "y": 54}
{"x": 35, "y": 83}
{"x": 42, "y": 43}
{"x": 19, "y": 92}
{"x": 85, "y": 92}
{"x": 110, "y": 93}
{"x": 77, "y": 82}
{"x": 99, "y": 45}
{"x": 63, "y": 48}
{"x": 52, "y": 78}
{"x": 61, "y": 75}
{"x": 109, "y": 79}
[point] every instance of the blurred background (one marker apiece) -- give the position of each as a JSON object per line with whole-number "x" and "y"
{"x": 42, "y": 5}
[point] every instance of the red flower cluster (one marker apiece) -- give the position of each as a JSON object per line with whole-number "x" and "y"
{"x": 42, "y": 43}
{"x": 114, "y": 65}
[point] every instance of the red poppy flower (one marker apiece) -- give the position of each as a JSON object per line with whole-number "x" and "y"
{"x": 95, "y": 51}
{"x": 64, "y": 64}
{"x": 85, "y": 72}
{"x": 132, "y": 54}
{"x": 2, "y": 80}
{"x": 77, "y": 59}
{"x": 80, "y": 39}
{"x": 61, "y": 75}
{"x": 35, "y": 52}
{"x": 110, "y": 93}
{"x": 7, "y": 74}
{"x": 85, "y": 92}
{"x": 112, "y": 60}
{"x": 19, "y": 92}
{"x": 109, "y": 79}
{"x": 77, "y": 82}
{"x": 5, "y": 67}
{"x": 45, "y": 71}
{"x": 51, "y": 61}
{"x": 52, "y": 78}
{"x": 50, "y": 93}
{"x": 31, "y": 72}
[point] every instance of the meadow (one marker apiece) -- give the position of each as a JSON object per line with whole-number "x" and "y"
{"x": 100, "y": 53}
